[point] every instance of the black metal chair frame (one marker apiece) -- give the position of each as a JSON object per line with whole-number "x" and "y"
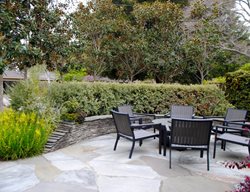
{"x": 130, "y": 131}
{"x": 228, "y": 136}
{"x": 181, "y": 111}
{"x": 190, "y": 134}
{"x": 232, "y": 116}
{"x": 133, "y": 116}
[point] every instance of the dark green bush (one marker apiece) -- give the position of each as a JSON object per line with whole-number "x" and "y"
{"x": 238, "y": 89}
{"x": 100, "y": 98}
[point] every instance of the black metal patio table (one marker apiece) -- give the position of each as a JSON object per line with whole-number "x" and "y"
{"x": 164, "y": 132}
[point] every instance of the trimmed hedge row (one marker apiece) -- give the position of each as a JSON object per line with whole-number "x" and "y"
{"x": 100, "y": 98}
{"x": 238, "y": 89}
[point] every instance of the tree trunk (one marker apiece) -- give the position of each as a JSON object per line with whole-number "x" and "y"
{"x": 1, "y": 92}
{"x": 25, "y": 70}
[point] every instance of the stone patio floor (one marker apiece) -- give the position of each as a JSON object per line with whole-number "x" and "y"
{"x": 93, "y": 166}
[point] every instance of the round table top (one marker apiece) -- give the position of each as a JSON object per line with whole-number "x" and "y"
{"x": 164, "y": 121}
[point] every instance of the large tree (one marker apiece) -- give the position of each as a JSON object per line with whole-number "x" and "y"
{"x": 32, "y": 32}
{"x": 93, "y": 25}
{"x": 214, "y": 29}
{"x": 162, "y": 30}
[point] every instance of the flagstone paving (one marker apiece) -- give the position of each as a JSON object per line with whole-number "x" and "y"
{"x": 93, "y": 166}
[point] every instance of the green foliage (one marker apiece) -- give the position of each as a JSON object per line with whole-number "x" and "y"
{"x": 100, "y": 98}
{"x": 31, "y": 96}
{"x": 198, "y": 9}
{"x": 219, "y": 81}
{"x": 75, "y": 75}
{"x": 245, "y": 67}
{"x": 22, "y": 134}
{"x": 238, "y": 89}
{"x": 33, "y": 33}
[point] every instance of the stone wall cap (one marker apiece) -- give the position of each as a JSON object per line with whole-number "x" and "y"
{"x": 93, "y": 118}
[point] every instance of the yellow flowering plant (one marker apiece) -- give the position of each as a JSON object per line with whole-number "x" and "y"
{"x": 22, "y": 134}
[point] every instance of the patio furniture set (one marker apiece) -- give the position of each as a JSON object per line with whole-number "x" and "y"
{"x": 181, "y": 129}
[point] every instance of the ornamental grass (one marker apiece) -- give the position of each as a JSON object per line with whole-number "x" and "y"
{"x": 22, "y": 134}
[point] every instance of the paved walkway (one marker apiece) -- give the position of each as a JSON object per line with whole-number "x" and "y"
{"x": 93, "y": 166}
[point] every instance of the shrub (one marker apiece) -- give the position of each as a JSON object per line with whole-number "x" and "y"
{"x": 31, "y": 96}
{"x": 243, "y": 186}
{"x": 100, "y": 98}
{"x": 75, "y": 75}
{"x": 22, "y": 134}
{"x": 245, "y": 67}
{"x": 238, "y": 89}
{"x": 219, "y": 81}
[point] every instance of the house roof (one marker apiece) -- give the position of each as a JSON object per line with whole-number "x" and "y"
{"x": 12, "y": 75}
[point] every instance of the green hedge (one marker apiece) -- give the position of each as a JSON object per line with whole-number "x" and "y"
{"x": 238, "y": 89}
{"x": 100, "y": 98}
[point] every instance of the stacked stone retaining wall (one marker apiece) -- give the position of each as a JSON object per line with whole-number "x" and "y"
{"x": 69, "y": 133}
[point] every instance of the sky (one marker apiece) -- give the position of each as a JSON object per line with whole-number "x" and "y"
{"x": 72, "y": 5}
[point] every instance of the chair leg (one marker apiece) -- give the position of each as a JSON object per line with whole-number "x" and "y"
{"x": 214, "y": 148}
{"x": 208, "y": 159}
{"x": 201, "y": 154}
{"x": 170, "y": 158}
{"x": 140, "y": 142}
{"x": 131, "y": 151}
{"x": 117, "y": 138}
{"x": 224, "y": 145}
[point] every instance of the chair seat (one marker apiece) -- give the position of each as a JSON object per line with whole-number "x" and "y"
{"x": 144, "y": 134}
{"x": 234, "y": 139}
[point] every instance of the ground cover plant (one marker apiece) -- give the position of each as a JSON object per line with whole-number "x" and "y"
{"x": 22, "y": 134}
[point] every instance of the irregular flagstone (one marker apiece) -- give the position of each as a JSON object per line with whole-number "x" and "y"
{"x": 194, "y": 184}
{"x": 64, "y": 162}
{"x": 123, "y": 170}
{"x": 60, "y": 187}
{"x": 218, "y": 172}
{"x": 17, "y": 178}
{"x": 7, "y": 164}
{"x": 85, "y": 177}
{"x": 127, "y": 184}
{"x": 161, "y": 166}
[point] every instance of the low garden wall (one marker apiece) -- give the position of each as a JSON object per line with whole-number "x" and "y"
{"x": 69, "y": 133}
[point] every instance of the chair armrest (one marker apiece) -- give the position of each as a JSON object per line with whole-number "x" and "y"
{"x": 212, "y": 117}
{"x": 145, "y": 125}
{"x": 226, "y": 127}
{"x": 245, "y": 124}
{"x": 237, "y": 120}
{"x": 159, "y": 116}
{"x": 198, "y": 117}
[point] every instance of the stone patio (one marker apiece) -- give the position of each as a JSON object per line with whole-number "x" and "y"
{"x": 92, "y": 166}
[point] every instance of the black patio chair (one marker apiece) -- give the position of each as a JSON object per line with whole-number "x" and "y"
{"x": 132, "y": 132}
{"x": 181, "y": 111}
{"x": 132, "y": 116}
{"x": 190, "y": 134}
{"x": 234, "y": 118}
{"x": 227, "y": 136}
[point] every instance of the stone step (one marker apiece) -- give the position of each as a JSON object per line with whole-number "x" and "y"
{"x": 62, "y": 130}
{"x": 52, "y": 140}
{"x": 55, "y": 137}
{"x": 58, "y": 133}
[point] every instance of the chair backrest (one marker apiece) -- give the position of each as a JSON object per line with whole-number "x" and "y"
{"x": 234, "y": 115}
{"x": 181, "y": 111}
{"x": 122, "y": 123}
{"x": 191, "y": 131}
{"x": 126, "y": 109}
